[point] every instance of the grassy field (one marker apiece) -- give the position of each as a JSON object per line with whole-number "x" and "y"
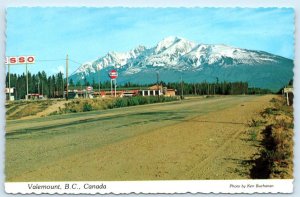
{"x": 40, "y": 108}
{"x": 197, "y": 138}
{"x": 16, "y": 110}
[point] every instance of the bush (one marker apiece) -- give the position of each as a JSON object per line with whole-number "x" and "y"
{"x": 255, "y": 123}
{"x": 133, "y": 101}
{"x": 83, "y": 105}
{"x": 274, "y": 100}
{"x": 270, "y": 111}
{"x": 87, "y": 107}
{"x": 121, "y": 102}
{"x": 139, "y": 100}
{"x": 253, "y": 135}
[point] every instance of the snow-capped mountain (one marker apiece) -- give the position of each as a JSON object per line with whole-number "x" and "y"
{"x": 175, "y": 56}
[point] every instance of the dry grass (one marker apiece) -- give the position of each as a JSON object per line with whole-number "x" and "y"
{"x": 25, "y": 109}
{"x": 278, "y": 145}
{"x": 82, "y": 105}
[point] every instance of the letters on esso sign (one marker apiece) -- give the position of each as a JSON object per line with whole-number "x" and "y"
{"x": 30, "y": 59}
{"x": 20, "y": 60}
{"x": 12, "y": 60}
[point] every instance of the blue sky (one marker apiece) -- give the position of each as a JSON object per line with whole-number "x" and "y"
{"x": 88, "y": 33}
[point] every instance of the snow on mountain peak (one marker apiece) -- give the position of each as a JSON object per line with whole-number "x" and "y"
{"x": 176, "y": 53}
{"x": 165, "y": 43}
{"x": 174, "y": 57}
{"x": 172, "y": 41}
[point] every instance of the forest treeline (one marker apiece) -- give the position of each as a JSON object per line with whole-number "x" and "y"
{"x": 53, "y": 86}
{"x": 221, "y": 88}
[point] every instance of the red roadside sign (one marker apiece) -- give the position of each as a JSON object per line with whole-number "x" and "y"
{"x": 89, "y": 88}
{"x": 20, "y": 59}
{"x": 113, "y": 74}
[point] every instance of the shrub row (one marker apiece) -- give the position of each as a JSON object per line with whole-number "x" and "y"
{"x": 278, "y": 139}
{"x": 140, "y": 100}
{"x": 83, "y": 105}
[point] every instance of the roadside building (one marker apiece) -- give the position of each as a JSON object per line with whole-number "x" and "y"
{"x": 34, "y": 96}
{"x": 130, "y": 93}
{"x": 150, "y": 92}
{"x": 12, "y": 94}
{"x": 164, "y": 90}
{"x": 73, "y": 94}
{"x": 154, "y": 90}
{"x": 170, "y": 92}
{"x": 156, "y": 87}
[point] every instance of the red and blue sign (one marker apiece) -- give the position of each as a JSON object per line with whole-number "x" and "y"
{"x": 113, "y": 74}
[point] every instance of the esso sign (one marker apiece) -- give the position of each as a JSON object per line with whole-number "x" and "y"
{"x": 20, "y": 60}
{"x": 113, "y": 74}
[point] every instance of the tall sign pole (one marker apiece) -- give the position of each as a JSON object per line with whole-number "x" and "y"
{"x": 67, "y": 61}
{"x": 9, "y": 82}
{"x": 26, "y": 82}
{"x": 113, "y": 76}
{"x": 111, "y": 87}
{"x": 115, "y": 88}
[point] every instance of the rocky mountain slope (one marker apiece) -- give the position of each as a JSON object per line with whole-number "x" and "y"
{"x": 174, "y": 57}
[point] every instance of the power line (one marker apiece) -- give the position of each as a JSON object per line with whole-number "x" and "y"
{"x": 75, "y": 70}
{"x": 80, "y": 64}
{"x": 54, "y": 60}
{"x": 75, "y": 62}
{"x": 63, "y": 59}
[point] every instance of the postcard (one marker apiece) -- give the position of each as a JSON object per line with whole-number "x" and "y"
{"x": 149, "y": 100}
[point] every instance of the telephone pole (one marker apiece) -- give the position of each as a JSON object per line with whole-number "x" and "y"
{"x": 9, "y": 93}
{"x": 207, "y": 88}
{"x": 63, "y": 86}
{"x": 39, "y": 86}
{"x": 26, "y": 82}
{"x": 67, "y": 61}
{"x": 181, "y": 87}
{"x": 99, "y": 82}
{"x": 157, "y": 84}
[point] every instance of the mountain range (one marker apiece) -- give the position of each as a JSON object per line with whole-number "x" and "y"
{"x": 176, "y": 57}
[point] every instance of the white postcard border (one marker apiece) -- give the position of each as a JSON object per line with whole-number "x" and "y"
{"x": 285, "y": 186}
{"x": 152, "y": 187}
